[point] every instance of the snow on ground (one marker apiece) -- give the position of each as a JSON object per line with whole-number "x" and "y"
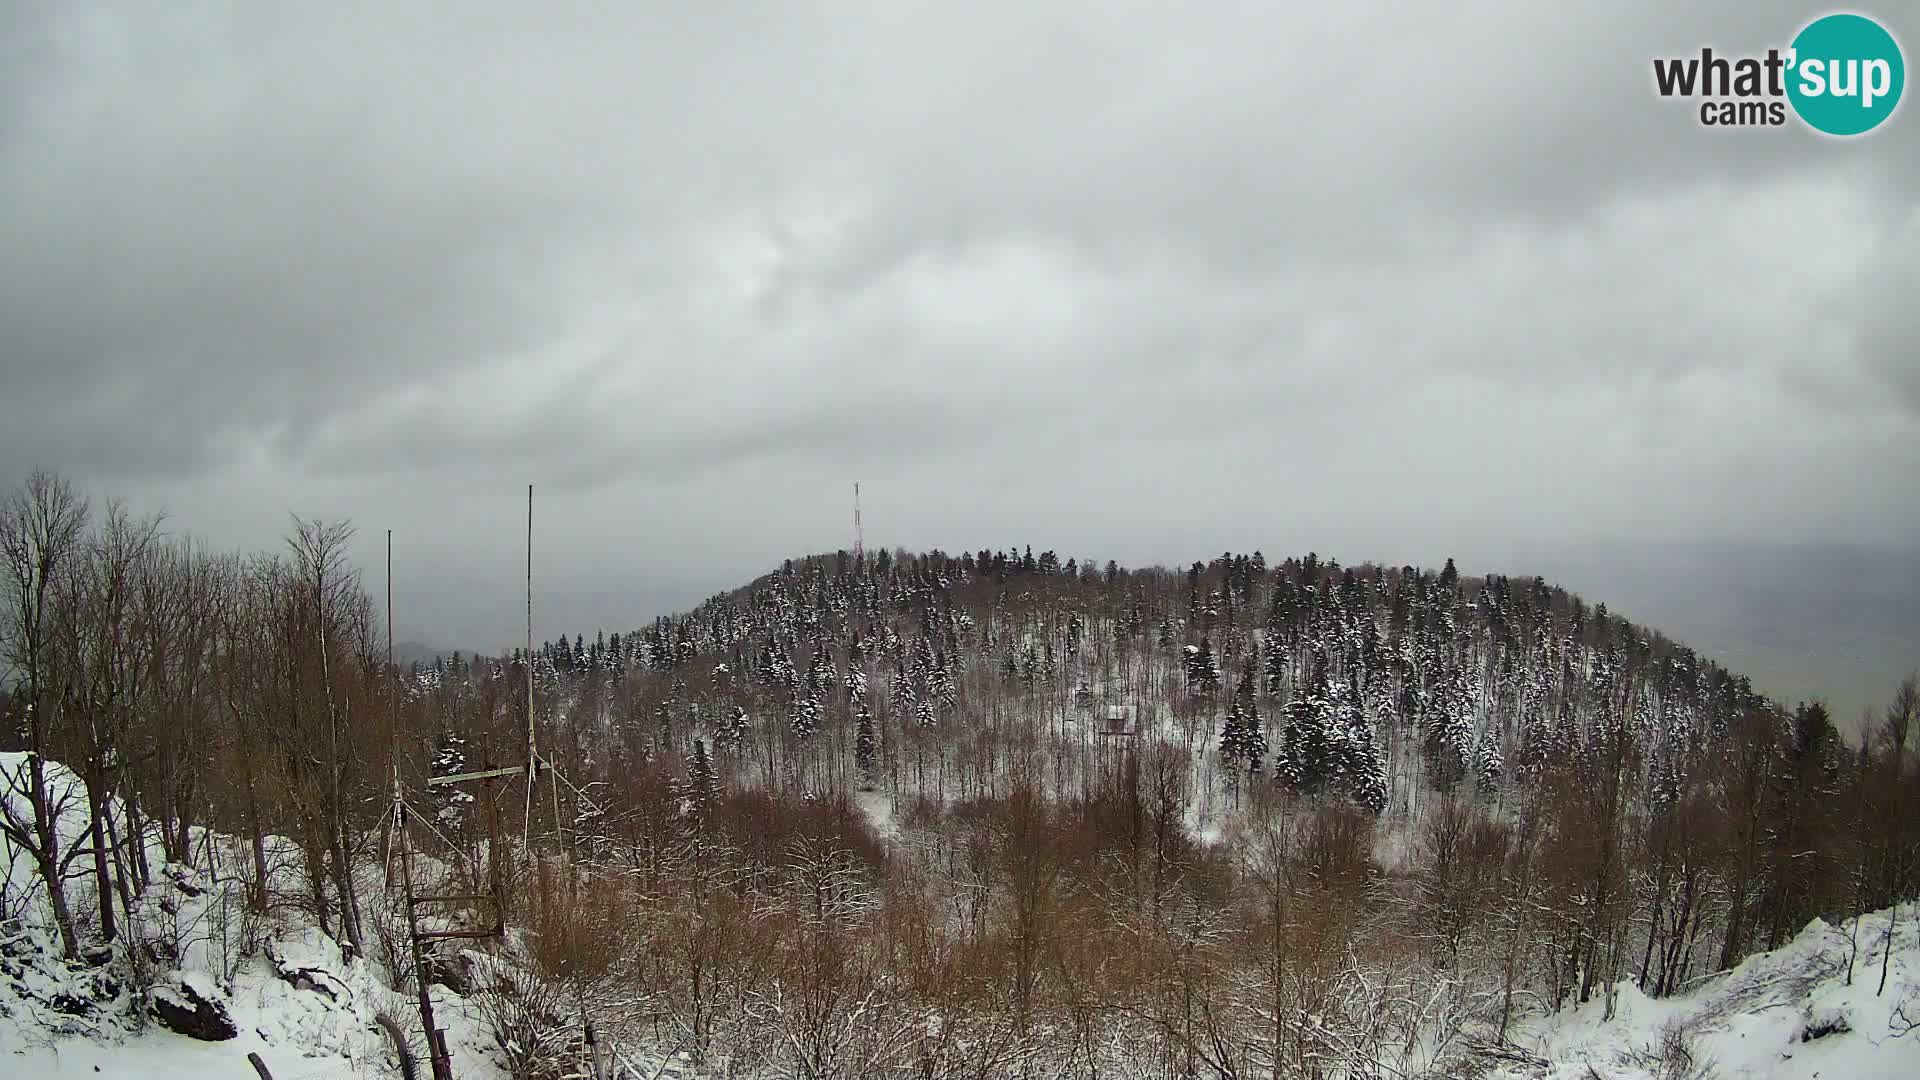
{"x": 1784, "y": 1015}
{"x": 286, "y": 988}
{"x": 325, "y": 1031}
{"x": 1206, "y": 822}
{"x": 878, "y": 806}
{"x": 69, "y": 797}
{"x": 310, "y": 1014}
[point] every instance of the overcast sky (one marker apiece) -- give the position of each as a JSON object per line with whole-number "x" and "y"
{"x": 1393, "y": 281}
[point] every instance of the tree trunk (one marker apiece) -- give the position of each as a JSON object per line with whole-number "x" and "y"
{"x": 57, "y": 897}
{"x": 120, "y": 873}
{"x": 181, "y": 817}
{"x": 1653, "y": 931}
{"x": 349, "y": 902}
{"x": 46, "y": 853}
{"x": 142, "y": 871}
{"x": 1886, "y": 954}
{"x": 257, "y": 894}
{"x": 316, "y": 858}
{"x": 102, "y": 871}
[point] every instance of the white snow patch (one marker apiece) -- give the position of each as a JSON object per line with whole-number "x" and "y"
{"x": 1785, "y": 1015}
{"x": 878, "y": 806}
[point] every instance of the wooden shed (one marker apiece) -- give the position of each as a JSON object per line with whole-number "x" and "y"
{"x": 1119, "y": 722}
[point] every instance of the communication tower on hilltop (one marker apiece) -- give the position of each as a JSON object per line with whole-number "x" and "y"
{"x": 859, "y": 535}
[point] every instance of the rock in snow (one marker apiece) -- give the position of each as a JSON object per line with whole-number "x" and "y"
{"x": 190, "y": 1006}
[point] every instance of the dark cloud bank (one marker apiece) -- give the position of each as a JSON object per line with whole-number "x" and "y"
{"x": 1124, "y": 280}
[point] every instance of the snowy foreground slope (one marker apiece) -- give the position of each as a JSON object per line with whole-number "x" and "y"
{"x": 286, "y": 993}
{"x": 1788, "y": 1014}
{"x": 1785, "y": 1014}
{"x": 283, "y": 988}
{"x": 1778, "y": 1015}
{"x": 321, "y": 1027}
{"x": 278, "y": 987}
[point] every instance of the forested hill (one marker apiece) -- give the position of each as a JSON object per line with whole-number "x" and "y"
{"x": 986, "y": 815}
{"x": 1686, "y": 819}
{"x": 1362, "y": 683}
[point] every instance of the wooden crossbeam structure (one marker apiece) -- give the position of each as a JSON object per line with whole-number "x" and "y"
{"x": 469, "y": 898}
{"x": 482, "y": 774}
{"x": 443, "y": 935}
{"x": 402, "y": 816}
{"x": 535, "y": 767}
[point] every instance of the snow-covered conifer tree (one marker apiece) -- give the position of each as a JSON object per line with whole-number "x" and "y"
{"x": 863, "y": 743}
{"x": 699, "y": 792}
{"x": 1306, "y": 761}
{"x": 1241, "y": 737}
{"x": 450, "y": 802}
{"x": 733, "y": 731}
{"x": 1203, "y": 669}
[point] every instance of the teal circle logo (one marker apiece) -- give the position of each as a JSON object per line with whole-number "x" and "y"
{"x": 1846, "y": 74}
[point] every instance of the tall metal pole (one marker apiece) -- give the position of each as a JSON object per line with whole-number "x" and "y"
{"x": 441, "y": 1060}
{"x": 533, "y": 767}
{"x": 436, "y": 1041}
{"x": 393, "y": 690}
{"x": 526, "y": 824}
{"x": 559, "y": 833}
{"x": 390, "y": 672}
{"x": 393, "y": 705}
{"x": 530, "y": 630}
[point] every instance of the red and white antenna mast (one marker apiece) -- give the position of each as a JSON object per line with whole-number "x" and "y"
{"x": 859, "y": 534}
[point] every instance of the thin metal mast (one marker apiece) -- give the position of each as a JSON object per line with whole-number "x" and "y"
{"x": 534, "y": 761}
{"x": 859, "y": 534}
{"x": 533, "y": 754}
{"x": 437, "y": 1055}
{"x": 530, "y": 750}
{"x": 393, "y": 691}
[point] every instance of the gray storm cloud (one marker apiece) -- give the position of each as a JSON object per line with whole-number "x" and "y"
{"x": 1127, "y": 280}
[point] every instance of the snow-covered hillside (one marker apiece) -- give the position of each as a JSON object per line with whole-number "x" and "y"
{"x": 308, "y": 1014}
{"x": 1790, "y": 1014}
{"x": 271, "y": 985}
{"x": 289, "y": 995}
{"x": 281, "y": 989}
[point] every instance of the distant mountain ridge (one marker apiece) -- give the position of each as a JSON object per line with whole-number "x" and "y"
{"x": 407, "y": 653}
{"x": 1834, "y": 623}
